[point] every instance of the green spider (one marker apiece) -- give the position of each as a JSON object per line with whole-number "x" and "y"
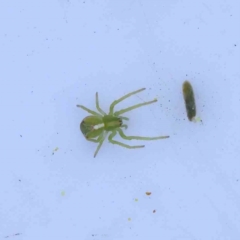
{"x": 96, "y": 127}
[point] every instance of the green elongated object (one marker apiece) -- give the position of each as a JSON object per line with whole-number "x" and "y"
{"x": 188, "y": 95}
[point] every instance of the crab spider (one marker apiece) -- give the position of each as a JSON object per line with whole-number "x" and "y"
{"x": 96, "y": 127}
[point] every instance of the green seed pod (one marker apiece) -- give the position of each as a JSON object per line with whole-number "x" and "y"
{"x": 189, "y": 99}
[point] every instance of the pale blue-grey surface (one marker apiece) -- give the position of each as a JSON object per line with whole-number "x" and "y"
{"x": 59, "y": 53}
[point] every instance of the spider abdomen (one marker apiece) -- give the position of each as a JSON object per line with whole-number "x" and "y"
{"x": 92, "y": 126}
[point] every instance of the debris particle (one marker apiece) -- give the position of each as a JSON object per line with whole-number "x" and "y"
{"x": 14, "y": 235}
{"x": 148, "y": 193}
{"x": 56, "y": 149}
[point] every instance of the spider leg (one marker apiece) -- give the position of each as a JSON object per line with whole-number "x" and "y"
{"x": 93, "y": 140}
{"x": 120, "y": 131}
{"x": 134, "y": 107}
{"x": 113, "y": 134}
{"x": 122, "y": 98}
{"x": 100, "y": 139}
{"x": 97, "y": 105}
{"x": 89, "y": 111}
{"x": 124, "y": 126}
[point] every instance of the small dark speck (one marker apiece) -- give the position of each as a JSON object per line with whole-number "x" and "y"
{"x": 235, "y": 45}
{"x": 20, "y": 135}
{"x": 19, "y": 180}
{"x": 237, "y": 180}
{"x": 16, "y": 234}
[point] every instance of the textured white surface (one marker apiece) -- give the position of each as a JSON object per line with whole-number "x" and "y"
{"x": 56, "y": 54}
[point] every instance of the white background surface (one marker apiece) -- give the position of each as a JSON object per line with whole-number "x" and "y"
{"x": 56, "y": 54}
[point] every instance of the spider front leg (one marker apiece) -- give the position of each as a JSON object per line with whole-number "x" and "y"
{"x": 89, "y": 111}
{"x": 120, "y": 131}
{"x": 118, "y": 113}
{"x": 122, "y": 98}
{"x": 97, "y": 105}
{"x": 134, "y": 107}
{"x": 113, "y": 134}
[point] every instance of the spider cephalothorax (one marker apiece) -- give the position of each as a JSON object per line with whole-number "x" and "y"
{"x": 96, "y": 126}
